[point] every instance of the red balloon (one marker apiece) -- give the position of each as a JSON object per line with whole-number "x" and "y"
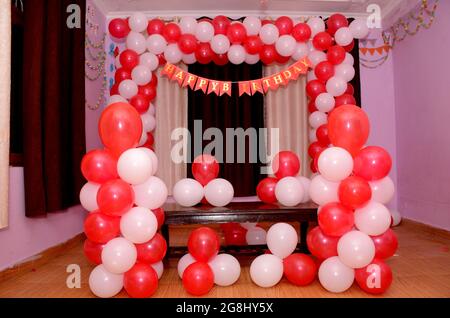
{"x": 119, "y": 28}
{"x": 115, "y": 197}
{"x": 301, "y": 32}
{"x": 299, "y": 269}
{"x": 93, "y": 251}
{"x": 314, "y": 88}
{"x": 354, "y": 192}
{"x": 335, "y": 219}
{"x": 221, "y": 24}
{"x": 121, "y": 75}
{"x": 266, "y": 190}
{"x": 141, "y": 281}
{"x": 171, "y": 32}
{"x": 120, "y": 127}
{"x": 198, "y": 279}
{"x": 386, "y": 244}
{"x": 101, "y": 228}
{"x": 140, "y": 103}
{"x": 281, "y": 59}
{"x": 236, "y": 33}
{"x": 154, "y": 81}
{"x": 148, "y": 91}
{"x": 350, "y": 47}
{"x": 99, "y": 166}
{"x": 335, "y": 22}
{"x": 372, "y": 163}
{"x": 286, "y": 164}
{"x": 375, "y": 278}
{"x": 348, "y": 128}
{"x": 114, "y": 90}
{"x": 350, "y": 90}
{"x": 152, "y": 251}
{"x": 160, "y": 216}
{"x": 236, "y": 236}
{"x": 204, "y": 54}
{"x": 187, "y": 43}
{"x": 129, "y": 59}
{"x": 336, "y": 54}
{"x": 312, "y": 106}
{"x": 315, "y": 148}
{"x": 268, "y": 54}
{"x": 162, "y": 59}
{"x": 320, "y": 245}
{"x": 322, "y": 41}
{"x": 316, "y": 160}
{"x": 150, "y": 140}
{"x": 253, "y": 44}
{"x": 324, "y": 71}
{"x": 155, "y": 26}
{"x": 220, "y": 59}
{"x": 265, "y": 21}
{"x": 322, "y": 135}
{"x": 284, "y": 25}
{"x": 205, "y": 168}
{"x": 313, "y": 167}
{"x": 203, "y": 244}
{"x": 344, "y": 99}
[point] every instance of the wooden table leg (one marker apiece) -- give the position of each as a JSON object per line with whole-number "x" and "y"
{"x": 166, "y": 235}
{"x": 303, "y": 235}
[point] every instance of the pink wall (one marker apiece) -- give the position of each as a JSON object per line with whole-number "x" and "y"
{"x": 422, "y": 100}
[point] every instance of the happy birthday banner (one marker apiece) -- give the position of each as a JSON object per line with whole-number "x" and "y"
{"x": 262, "y": 85}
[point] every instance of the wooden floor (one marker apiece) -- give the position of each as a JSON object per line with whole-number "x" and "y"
{"x": 421, "y": 269}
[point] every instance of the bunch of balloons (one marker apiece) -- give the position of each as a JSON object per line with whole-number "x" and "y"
{"x": 353, "y": 237}
{"x": 124, "y": 199}
{"x": 217, "y": 192}
{"x": 267, "y": 270}
{"x": 221, "y": 41}
{"x": 286, "y": 187}
{"x": 202, "y": 267}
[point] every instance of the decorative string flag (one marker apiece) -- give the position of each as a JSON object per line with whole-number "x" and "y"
{"x": 262, "y": 85}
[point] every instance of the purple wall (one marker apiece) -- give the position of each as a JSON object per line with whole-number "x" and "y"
{"x": 422, "y": 101}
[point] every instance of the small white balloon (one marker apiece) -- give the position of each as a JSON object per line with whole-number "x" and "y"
{"x": 88, "y": 196}
{"x": 183, "y": 263}
{"x": 343, "y": 36}
{"x": 219, "y": 192}
{"x": 336, "y": 86}
{"x": 282, "y": 239}
{"x": 335, "y": 276}
{"x": 189, "y": 58}
{"x": 220, "y": 44}
{"x": 359, "y": 28}
{"x": 251, "y": 58}
{"x": 156, "y": 44}
{"x": 236, "y": 54}
{"x": 316, "y": 25}
{"x": 349, "y": 59}
{"x": 138, "y": 225}
{"x": 356, "y": 249}
{"x": 148, "y": 122}
{"x": 104, "y": 284}
{"x": 136, "y": 42}
{"x": 172, "y": 53}
{"x": 383, "y": 190}
{"x": 312, "y": 135}
{"x": 226, "y": 269}
{"x": 134, "y": 166}
{"x": 266, "y": 270}
{"x": 301, "y": 51}
{"x": 285, "y": 45}
{"x": 151, "y": 194}
{"x": 119, "y": 255}
{"x": 153, "y": 158}
{"x": 128, "y": 89}
{"x": 315, "y": 57}
{"x": 188, "y": 192}
{"x": 116, "y": 99}
{"x": 289, "y": 191}
{"x": 373, "y": 219}
{"x": 204, "y": 31}
{"x": 252, "y": 25}
{"x": 318, "y": 119}
{"x": 323, "y": 191}
{"x": 306, "y": 183}
{"x": 141, "y": 75}
{"x": 269, "y": 34}
{"x": 149, "y": 60}
{"x": 188, "y": 25}
{"x": 143, "y": 139}
{"x": 325, "y": 102}
{"x": 344, "y": 71}
{"x": 335, "y": 164}
{"x": 138, "y": 22}
{"x": 396, "y": 217}
{"x": 159, "y": 268}
{"x": 311, "y": 76}
{"x": 256, "y": 236}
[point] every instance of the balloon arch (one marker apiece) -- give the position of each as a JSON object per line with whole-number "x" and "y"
{"x": 352, "y": 185}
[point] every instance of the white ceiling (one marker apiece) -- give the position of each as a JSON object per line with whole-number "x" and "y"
{"x": 390, "y": 9}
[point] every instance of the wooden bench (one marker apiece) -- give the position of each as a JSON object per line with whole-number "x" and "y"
{"x": 241, "y": 212}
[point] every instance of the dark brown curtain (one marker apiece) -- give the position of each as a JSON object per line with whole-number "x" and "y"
{"x": 229, "y": 112}
{"x": 53, "y": 106}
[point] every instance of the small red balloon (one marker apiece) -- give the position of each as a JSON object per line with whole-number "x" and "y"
{"x": 301, "y": 32}
{"x": 350, "y": 90}
{"x": 299, "y": 269}
{"x": 148, "y": 91}
{"x": 335, "y": 22}
{"x": 155, "y": 26}
{"x": 171, "y": 32}
{"x": 344, "y": 99}
{"x": 375, "y": 278}
{"x": 354, "y": 192}
{"x": 100, "y": 228}
{"x": 203, "y": 244}
{"x": 198, "y": 279}
{"x": 221, "y": 24}
{"x": 236, "y": 236}
{"x": 187, "y": 43}
{"x": 205, "y": 168}
{"x": 160, "y": 216}
{"x": 152, "y": 251}
{"x": 286, "y": 164}
{"x": 220, "y": 59}
{"x": 268, "y": 54}
{"x": 372, "y": 163}
{"x": 324, "y": 71}
{"x": 316, "y": 160}
{"x": 114, "y": 90}
{"x": 312, "y": 106}
{"x": 204, "y": 54}
{"x": 335, "y": 219}
{"x": 236, "y": 33}
{"x": 150, "y": 140}
{"x": 154, "y": 81}
{"x": 93, "y": 251}
{"x": 322, "y": 41}
{"x": 284, "y": 25}
{"x": 161, "y": 59}
{"x": 253, "y": 44}
{"x": 121, "y": 75}
{"x": 282, "y": 59}
{"x": 320, "y": 245}
{"x": 99, "y": 166}
{"x": 119, "y": 28}
{"x": 115, "y": 197}
{"x": 336, "y": 54}
{"x": 266, "y": 190}
{"x": 386, "y": 244}
{"x": 322, "y": 135}
{"x": 129, "y": 59}
{"x": 350, "y": 47}
{"x": 141, "y": 281}
{"x": 315, "y": 148}
{"x": 140, "y": 103}
{"x": 313, "y": 167}
{"x": 314, "y": 88}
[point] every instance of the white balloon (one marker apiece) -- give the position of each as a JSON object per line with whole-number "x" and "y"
{"x": 335, "y": 164}
{"x": 301, "y": 50}
{"x": 289, "y": 191}
{"x": 251, "y": 58}
{"x": 236, "y": 54}
{"x": 149, "y": 60}
{"x": 285, "y": 45}
{"x": 172, "y": 53}
{"x": 104, "y": 284}
{"x": 316, "y": 25}
{"x": 256, "y": 236}
{"x": 349, "y": 59}
{"x": 311, "y": 76}
{"x": 396, "y": 217}
{"x": 156, "y": 44}
{"x": 153, "y": 158}
{"x": 88, "y": 196}
{"x": 138, "y": 225}
{"x": 312, "y": 135}
{"x": 188, "y": 192}
{"x": 204, "y": 31}
{"x": 116, "y": 99}
{"x": 318, "y": 119}
{"x": 134, "y": 166}
{"x": 335, "y": 276}
{"x": 159, "y": 268}
{"x": 188, "y": 25}
{"x": 219, "y": 192}
{"x": 248, "y": 225}
{"x": 306, "y": 183}
{"x": 282, "y": 239}
{"x": 189, "y": 58}
{"x": 226, "y": 269}
{"x": 325, "y": 102}
{"x": 183, "y": 263}
{"x": 359, "y": 28}
{"x": 336, "y": 86}
{"x": 323, "y": 191}
{"x": 152, "y": 110}
{"x": 315, "y": 57}
{"x": 220, "y": 44}
{"x": 269, "y": 34}
{"x": 143, "y": 138}
{"x": 128, "y": 89}
{"x": 343, "y": 36}
{"x": 148, "y": 122}
{"x": 136, "y": 42}
{"x": 119, "y": 255}
{"x": 373, "y": 219}
{"x": 152, "y": 194}
{"x": 356, "y": 249}
{"x": 141, "y": 75}
{"x": 382, "y": 190}
{"x": 266, "y": 270}
{"x": 252, "y": 25}
{"x": 138, "y": 22}
{"x": 344, "y": 71}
